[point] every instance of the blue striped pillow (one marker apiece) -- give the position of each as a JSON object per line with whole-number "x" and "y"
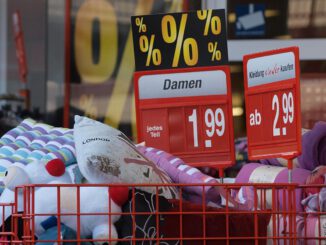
{"x": 33, "y": 141}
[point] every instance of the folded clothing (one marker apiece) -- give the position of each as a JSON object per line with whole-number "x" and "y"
{"x": 259, "y": 173}
{"x": 182, "y": 173}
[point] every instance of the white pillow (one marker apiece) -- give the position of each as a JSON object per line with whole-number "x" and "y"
{"x": 106, "y": 155}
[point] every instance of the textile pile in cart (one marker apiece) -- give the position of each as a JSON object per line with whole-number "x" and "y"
{"x": 92, "y": 152}
{"x": 309, "y": 171}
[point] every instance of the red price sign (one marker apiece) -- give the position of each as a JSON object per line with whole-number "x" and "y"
{"x": 272, "y": 93}
{"x": 187, "y": 112}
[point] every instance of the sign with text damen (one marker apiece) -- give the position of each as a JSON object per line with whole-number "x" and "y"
{"x": 187, "y": 112}
{"x": 182, "y": 84}
{"x": 272, "y": 93}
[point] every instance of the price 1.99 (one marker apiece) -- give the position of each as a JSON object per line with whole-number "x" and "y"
{"x": 214, "y": 124}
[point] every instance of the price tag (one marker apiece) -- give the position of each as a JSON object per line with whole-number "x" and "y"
{"x": 187, "y": 112}
{"x": 180, "y": 40}
{"x": 272, "y": 94}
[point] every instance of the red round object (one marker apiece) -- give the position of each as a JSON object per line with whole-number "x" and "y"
{"x": 119, "y": 194}
{"x": 56, "y": 167}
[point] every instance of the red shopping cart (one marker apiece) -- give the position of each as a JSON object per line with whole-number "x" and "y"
{"x": 271, "y": 216}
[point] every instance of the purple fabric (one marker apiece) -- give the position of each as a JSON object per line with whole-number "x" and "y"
{"x": 245, "y": 196}
{"x": 315, "y": 232}
{"x": 315, "y": 202}
{"x": 314, "y": 147}
{"x": 59, "y": 140}
{"x": 282, "y": 230}
{"x": 245, "y": 172}
{"x": 241, "y": 144}
{"x": 272, "y": 161}
{"x": 179, "y": 172}
{"x": 298, "y": 176}
{"x": 241, "y": 152}
{"x": 13, "y": 133}
{"x": 40, "y": 129}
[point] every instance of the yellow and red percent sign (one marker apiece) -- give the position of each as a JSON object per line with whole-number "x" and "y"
{"x": 182, "y": 86}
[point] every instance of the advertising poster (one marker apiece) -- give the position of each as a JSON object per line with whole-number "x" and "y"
{"x": 102, "y": 58}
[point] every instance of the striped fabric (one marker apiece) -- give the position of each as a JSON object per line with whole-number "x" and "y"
{"x": 180, "y": 172}
{"x": 33, "y": 141}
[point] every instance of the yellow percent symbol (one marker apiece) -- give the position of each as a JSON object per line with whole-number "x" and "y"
{"x": 117, "y": 100}
{"x": 212, "y": 49}
{"x": 101, "y": 11}
{"x": 188, "y": 46}
{"x": 214, "y": 22}
{"x": 86, "y": 102}
{"x": 100, "y": 72}
{"x": 141, "y": 26}
{"x": 148, "y": 47}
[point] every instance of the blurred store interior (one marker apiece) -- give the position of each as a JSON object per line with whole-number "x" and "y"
{"x": 78, "y": 55}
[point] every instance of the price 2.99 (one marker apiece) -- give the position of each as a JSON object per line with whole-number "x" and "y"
{"x": 214, "y": 122}
{"x": 288, "y": 112}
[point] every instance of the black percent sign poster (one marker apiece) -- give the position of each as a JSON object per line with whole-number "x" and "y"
{"x": 180, "y": 40}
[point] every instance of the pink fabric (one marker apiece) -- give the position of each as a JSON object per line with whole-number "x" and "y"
{"x": 282, "y": 228}
{"x": 314, "y": 147}
{"x": 316, "y": 202}
{"x": 298, "y": 176}
{"x": 245, "y": 196}
{"x": 318, "y": 176}
{"x": 180, "y": 172}
{"x": 312, "y": 227}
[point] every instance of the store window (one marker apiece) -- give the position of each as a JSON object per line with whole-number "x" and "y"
{"x": 101, "y": 56}
{"x": 102, "y": 61}
{"x": 258, "y": 24}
